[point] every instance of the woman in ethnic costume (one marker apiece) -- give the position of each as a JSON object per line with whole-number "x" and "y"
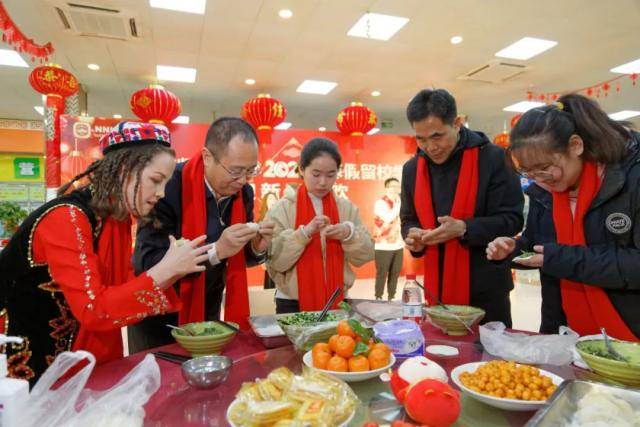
{"x": 67, "y": 281}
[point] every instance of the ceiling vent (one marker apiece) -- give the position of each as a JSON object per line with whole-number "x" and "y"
{"x": 496, "y": 71}
{"x": 95, "y": 21}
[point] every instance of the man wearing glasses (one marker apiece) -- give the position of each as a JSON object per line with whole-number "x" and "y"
{"x": 209, "y": 194}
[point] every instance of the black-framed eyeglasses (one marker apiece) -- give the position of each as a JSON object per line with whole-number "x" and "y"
{"x": 239, "y": 173}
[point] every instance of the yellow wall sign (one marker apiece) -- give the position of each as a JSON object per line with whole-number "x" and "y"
{"x": 21, "y": 168}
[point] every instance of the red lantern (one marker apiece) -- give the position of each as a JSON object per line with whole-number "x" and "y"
{"x": 56, "y": 84}
{"x": 356, "y": 119}
{"x": 51, "y": 80}
{"x": 502, "y": 140}
{"x": 155, "y": 104}
{"x": 264, "y": 112}
{"x": 514, "y": 120}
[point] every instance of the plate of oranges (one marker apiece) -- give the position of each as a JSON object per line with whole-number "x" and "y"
{"x": 350, "y": 354}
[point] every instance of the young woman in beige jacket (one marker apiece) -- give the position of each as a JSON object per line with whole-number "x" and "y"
{"x": 318, "y": 235}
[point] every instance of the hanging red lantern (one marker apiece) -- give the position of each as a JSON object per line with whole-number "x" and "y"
{"x": 264, "y": 113}
{"x": 56, "y": 84}
{"x": 355, "y": 121}
{"x": 514, "y": 120}
{"x": 634, "y": 78}
{"x": 155, "y": 104}
{"x": 502, "y": 140}
{"x": 52, "y": 80}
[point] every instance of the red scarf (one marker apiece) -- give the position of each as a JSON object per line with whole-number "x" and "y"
{"x": 588, "y": 308}
{"x": 114, "y": 251}
{"x": 315, "y": 282}
{"x": 194, "y": 224}
{"x": 455, "y": 278}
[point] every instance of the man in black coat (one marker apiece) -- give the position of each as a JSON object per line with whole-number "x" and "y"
{"x": 230, "y": 157}
{"x": 443, "y": 143}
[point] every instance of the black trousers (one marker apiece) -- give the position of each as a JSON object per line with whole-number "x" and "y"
{"x": 152, "y": 332}
{"x": 287, "y": 306}
{"x": 497, "y": 307}
{"x": 388, "y": 266}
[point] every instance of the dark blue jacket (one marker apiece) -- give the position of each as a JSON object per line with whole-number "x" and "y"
{"x": 611, "y": 259}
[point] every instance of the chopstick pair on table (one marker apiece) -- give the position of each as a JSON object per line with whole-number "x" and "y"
{"x": 171, "y": 357}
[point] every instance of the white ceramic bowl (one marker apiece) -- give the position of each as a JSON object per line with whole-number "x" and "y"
{"x": 235, "y": 402}
{"x": 498, "y": 402}
{"x": 350, "y": 377}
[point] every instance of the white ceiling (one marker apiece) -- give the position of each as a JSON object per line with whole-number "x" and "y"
{"x": 239, "y": 39}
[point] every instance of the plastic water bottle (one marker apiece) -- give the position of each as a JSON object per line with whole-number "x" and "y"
{"x": 412, "y": 300}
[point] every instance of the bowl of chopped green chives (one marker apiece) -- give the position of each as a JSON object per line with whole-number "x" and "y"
{"x": 625, "y": 370}
{"x": 304, "y": 330}
{"x": 207, "y": 338}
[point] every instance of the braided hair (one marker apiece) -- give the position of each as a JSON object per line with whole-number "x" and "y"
{"x": 108, "y": 177}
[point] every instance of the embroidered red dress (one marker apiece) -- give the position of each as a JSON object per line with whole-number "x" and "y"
{"x": 75, "y": 289}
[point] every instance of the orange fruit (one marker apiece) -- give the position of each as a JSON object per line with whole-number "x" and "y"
{"x": 345, "y": 330}
{"x": 333, "y": 341}
{"x": 378, "y": 358}
{"x": 382, "y": 347}
{"x": 337, "y": 364}
{"x": 321, "y": 359}
{"x": 358, "y": 364}
{"x": 345, "y": 346}
{"x": 321, "y": 347}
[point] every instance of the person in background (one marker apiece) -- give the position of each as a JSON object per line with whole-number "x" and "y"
{"x": 389, "y": 246}
{"x": 268, "y": 200}
{"x": 584, "y": 215}
{"x": 458, "y": 194}
{"x": 67, "y": 281}
{"x": 318, "y": 235}
{"x": 209, "y": 194}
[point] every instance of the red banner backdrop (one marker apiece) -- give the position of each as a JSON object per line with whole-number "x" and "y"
{"x": 361, "y": 178}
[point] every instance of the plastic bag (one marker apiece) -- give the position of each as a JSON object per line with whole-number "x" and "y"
{"x": 532, "y": 349}
{"x": 71, "y": 406}
{"x": 304, "y": 337}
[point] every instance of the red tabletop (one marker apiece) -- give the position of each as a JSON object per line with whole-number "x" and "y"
{"x": 177, "y": 404}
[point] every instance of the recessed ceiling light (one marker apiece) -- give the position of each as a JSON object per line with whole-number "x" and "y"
{"x": 93, "y": 67}
{"x": 283, "y": 126}
{"x": 322, "y": 128}
{"x": 632, "y": 67}
{"x": 526, "y": 48}
{"x": 181, "y": 119}
{"x": 250, "y": 81}
{"x": 39, "y": 109}
{"x": 522, "y": 106}
{"x": 176, "y": 74}
{"x": 285, "y": 14}
{"x": 375, "y": 93}
{"x": 189, "y": 6}
{"x": 12, "y": 58}
{"x": 456, "y": 39}
{"x": 117, "y": 116}
{"x": 373, "y": 131}
{"x": 317, "y": 87}
{"x": 377, "y": 26}
{"x": 624, "y": 115}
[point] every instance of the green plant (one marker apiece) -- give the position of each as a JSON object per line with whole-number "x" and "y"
{"x": 11, "y": 215}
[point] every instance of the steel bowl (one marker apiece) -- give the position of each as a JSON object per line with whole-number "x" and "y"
{"x": 206, "y": 371}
